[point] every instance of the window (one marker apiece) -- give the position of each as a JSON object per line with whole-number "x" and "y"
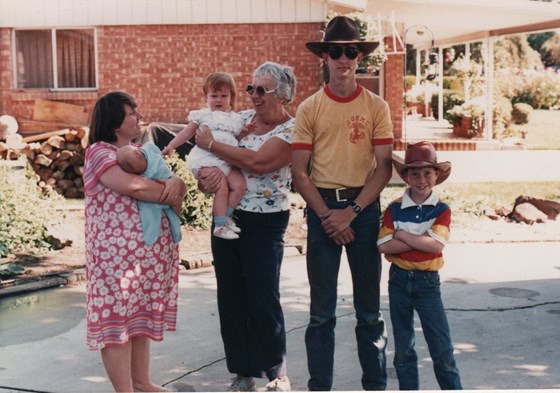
{"x": 55, "y": 58}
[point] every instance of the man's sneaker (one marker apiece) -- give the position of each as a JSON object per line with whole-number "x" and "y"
{"x": 279, "y": 385}
{"x": 225, "y": 233}
{"x": 242, "y": 384}
{"x": 231, "y": 225}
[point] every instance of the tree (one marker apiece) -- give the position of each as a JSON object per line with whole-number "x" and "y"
{"x": 515, "y": 52}
{"x": 537, "y": 40}
{"x": 550, "y": 51}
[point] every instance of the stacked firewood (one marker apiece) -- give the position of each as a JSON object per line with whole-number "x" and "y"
{"x": 54, "y": 142}
{"x": 57, "y": 157}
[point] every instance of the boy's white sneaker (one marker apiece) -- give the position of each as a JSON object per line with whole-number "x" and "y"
{"x": 225, "y": 233}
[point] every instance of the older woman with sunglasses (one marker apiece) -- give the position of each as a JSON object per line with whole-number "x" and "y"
{"x": 248, "y": 268}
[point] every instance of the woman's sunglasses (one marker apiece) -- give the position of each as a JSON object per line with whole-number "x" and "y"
{"x": 336, "y": 51}
{"x": 261, "y": 90}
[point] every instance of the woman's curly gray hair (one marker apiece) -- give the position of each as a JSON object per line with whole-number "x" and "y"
{"x": 284, "y": 77}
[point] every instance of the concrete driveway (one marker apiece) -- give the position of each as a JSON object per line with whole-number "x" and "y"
{"x": 503, "y": 302}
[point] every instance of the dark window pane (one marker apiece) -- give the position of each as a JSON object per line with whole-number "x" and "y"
{"x": 75, "y": 58}
{"x": 34, "y": 59}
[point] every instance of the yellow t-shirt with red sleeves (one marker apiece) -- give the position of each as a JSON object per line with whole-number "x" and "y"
{"x": 341, "y": 133}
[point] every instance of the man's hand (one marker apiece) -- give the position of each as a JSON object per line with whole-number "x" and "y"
{"x": 344, "y": 237}
{"x": 337, "y": 225}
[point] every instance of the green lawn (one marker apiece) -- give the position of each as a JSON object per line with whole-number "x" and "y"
{"x": 543, "y": 130}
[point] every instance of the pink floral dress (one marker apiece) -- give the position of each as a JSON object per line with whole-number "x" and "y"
{"x": 132, "y": 288}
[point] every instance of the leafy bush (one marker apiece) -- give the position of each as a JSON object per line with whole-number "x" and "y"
{"x": 452, "y": 83}
{"x": 27, "y": 212}
{"x": 471, "y": 109}
{"x": 501, "y": 115}
{"x": 541, "y": 90}
{"x": 197, "y": 209}
{"x": 450, "y": 99}
{"x": 409, "y": 81}
{"x": 521, "y": 113}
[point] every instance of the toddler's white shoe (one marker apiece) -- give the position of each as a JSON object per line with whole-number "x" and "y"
{"x": 231, "y": 225}
{"x": 225, "y": 232}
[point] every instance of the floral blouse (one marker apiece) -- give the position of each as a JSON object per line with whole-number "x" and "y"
{"x": 266, "y": 193}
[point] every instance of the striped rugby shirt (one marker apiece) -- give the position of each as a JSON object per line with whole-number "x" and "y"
{"x": 432, "y": 216}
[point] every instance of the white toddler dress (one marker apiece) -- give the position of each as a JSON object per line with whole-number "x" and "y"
{"x": 225, "y": 126}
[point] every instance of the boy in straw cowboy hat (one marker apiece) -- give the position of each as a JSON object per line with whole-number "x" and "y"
{"x": 414, "y": 231}
{"x": 344, "y": 133}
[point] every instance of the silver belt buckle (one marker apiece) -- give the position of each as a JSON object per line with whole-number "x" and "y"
{"x": 338, "y": 198}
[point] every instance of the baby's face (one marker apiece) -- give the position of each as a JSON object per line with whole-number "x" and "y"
{"x": 219, "y": 100}
{"x": 131, "y": 159}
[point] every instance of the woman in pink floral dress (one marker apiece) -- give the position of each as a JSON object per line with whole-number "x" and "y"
{"x": 132, "y": 288}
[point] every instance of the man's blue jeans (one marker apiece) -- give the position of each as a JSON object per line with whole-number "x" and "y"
{"x": 411, "y": 290}
{"x": 323, "y": 263}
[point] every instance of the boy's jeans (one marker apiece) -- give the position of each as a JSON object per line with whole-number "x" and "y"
{"x": 323, "y": 262}
{"x": 411, "y": 290}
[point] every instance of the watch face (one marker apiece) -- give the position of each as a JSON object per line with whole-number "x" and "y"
{"x": 357, "y": 208}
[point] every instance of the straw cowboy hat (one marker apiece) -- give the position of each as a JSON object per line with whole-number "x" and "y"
{"x": 341, "y": 30}
{"x": 421, "y": 155}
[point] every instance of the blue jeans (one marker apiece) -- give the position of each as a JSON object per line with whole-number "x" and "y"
{"x": 323, "y": 263}
{"x": 248, "y": 280}
{"x": 411, "y": 290}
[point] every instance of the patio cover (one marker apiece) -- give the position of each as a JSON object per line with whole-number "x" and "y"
{"x": 444, "y": 23}
{"x": 459, "y": 21}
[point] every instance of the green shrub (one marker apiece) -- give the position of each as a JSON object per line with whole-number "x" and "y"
{"x": 501, "y": 116}
{"x": 450, "y": 99}
{"x": 452, "y": 83}
{"x": 521, "y": 113}
{"x": 197, "y": 209}
{"x": 541, "y": 89}
{"x": 409, "y": 81}
{"x": 27, "y": 213}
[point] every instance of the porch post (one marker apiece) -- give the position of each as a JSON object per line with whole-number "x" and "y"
{"x": 489, "y": 72}
{"x": 440, "y": 84}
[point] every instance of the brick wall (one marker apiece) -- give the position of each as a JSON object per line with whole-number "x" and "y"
{"x": 394, "y": 88}
{"x": 163, "y": 66}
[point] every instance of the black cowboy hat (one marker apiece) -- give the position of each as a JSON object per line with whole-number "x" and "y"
{"x": 341, "y": 30}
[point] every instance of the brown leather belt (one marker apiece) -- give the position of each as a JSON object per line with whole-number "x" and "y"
{"x": 340, "y": 194}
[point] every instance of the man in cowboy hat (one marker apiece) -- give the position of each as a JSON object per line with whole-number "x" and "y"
{"x": 414, "y": 231}
{"x": 344, "y": 136}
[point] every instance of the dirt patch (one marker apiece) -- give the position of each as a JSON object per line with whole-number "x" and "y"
{"x": 194, "y": 248}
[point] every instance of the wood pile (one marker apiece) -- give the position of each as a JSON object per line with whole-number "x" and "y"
{"x": 56, "y": 156}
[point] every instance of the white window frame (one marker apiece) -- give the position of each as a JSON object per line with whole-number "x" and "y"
{"x": 55, "y": 87}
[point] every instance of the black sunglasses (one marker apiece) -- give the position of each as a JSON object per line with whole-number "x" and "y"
{"x": 336, "y": 51}
{"x": 261, "y": 90}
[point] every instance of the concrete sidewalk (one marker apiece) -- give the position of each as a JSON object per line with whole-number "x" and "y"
{"x": 502, "y": 299}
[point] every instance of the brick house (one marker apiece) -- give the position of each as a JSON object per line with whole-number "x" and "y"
{"x": 160, "y": 51}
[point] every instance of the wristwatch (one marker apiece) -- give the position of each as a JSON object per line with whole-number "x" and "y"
{"x": 357, "y": 208}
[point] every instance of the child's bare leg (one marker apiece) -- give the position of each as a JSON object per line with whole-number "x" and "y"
{"x": 237, "y": 187}
{"x": 220, "y": 212}
{"x": 219, "y": 207}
